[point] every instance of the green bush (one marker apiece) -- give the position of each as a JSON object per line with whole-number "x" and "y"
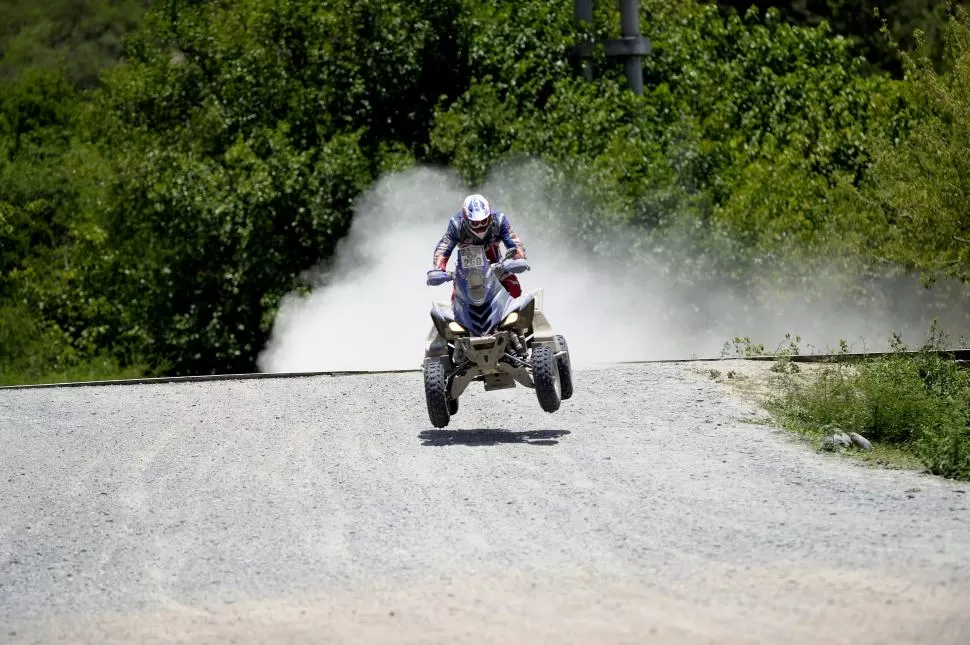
{"x": 35, "y": 350}
{"x": 918, "y": 402}
{"x": 80, "y": 37}
{"x": 860, "y": 21}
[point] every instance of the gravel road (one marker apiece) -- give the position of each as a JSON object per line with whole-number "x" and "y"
{"x": 653, "y": 507}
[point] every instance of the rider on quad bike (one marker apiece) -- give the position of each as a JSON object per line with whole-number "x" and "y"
{"x": 477, "y": 223}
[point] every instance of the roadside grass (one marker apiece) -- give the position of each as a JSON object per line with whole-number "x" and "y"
{"x": 913, "y": 407}
{"x": 100, "y": 369}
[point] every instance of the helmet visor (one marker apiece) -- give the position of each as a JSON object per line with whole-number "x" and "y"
{"x": 480, "y": 226}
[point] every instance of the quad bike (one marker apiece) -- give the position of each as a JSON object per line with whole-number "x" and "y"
{"x": 486, "y": 335}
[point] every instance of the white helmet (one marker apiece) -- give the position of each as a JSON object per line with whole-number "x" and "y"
{"x": 476, "y": 215}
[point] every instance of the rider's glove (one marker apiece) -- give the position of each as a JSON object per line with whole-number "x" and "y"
{"x": 436, "y": 277}
{"x": 515, "y": 266}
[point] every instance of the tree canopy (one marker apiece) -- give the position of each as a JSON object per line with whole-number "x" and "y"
{"x": 166, "y": 176}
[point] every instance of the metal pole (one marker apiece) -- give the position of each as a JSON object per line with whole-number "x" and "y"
{"x": 584, "y": 13}
{"x": 584, "y": 10}
{"x": 630, "y": 28}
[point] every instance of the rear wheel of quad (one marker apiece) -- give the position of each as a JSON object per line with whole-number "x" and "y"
{"x": 565, "y": 370}
{"x": 545, "y": 374}
{"x": 436, "y": 393}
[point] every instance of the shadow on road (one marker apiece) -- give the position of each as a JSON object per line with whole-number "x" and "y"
{"x": 484, "y": 437}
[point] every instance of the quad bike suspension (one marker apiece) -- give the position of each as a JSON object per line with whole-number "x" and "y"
{"x": 518, "y": 344}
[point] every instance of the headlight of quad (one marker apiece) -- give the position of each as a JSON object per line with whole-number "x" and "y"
{"x": 455, "y": 328}
{"x": 510, "y": 320}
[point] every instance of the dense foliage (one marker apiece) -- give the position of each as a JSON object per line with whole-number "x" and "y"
{"x": 918, "y": 403}
{"x": 862, "y": 22}
{"x": 79, "y": 37}
{"x": 157, "y": 198}
{"x": 918, "y": 192}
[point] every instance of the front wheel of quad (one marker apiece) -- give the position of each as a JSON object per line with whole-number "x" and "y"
{"x": 565, "y": 369}
{"x": 436, "y": 393}
{"x": 545, "y": 375}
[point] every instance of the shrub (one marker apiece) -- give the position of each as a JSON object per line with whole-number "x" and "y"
{"x": 919, "y": 402}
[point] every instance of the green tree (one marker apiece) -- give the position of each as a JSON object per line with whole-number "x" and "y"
{"x": 730, "y": 101}
{"x": 81, "y": 37}
{"x": 38, "y": 202}
{"x": 241, "y": 135}
{"x": 861, "y": 21}
{"x": 918, "y": 194}
{"x": 157, "y": 218}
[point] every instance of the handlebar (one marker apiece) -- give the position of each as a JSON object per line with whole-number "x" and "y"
{"x": 515, "y": 266}
{"x": 499, "y": 269}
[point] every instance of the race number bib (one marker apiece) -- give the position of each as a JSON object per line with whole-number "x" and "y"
{"x": 472, "y": 257}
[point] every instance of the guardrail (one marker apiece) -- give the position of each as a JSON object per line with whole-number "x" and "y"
{"x": 206, "y": 377}
{"x": 959, "y": 355}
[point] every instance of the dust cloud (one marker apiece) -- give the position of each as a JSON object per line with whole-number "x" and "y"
{"x": 368, "y": 306}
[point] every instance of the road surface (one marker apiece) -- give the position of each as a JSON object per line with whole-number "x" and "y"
{"x": 655, "y": 506}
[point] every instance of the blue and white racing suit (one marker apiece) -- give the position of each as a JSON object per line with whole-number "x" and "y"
{"x": 500, "y": 232}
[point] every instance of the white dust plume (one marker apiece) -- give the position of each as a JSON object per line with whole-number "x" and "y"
{"x": 368, "y": 309}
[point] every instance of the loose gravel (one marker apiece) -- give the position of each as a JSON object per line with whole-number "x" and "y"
{"x": 654, "y": 506}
